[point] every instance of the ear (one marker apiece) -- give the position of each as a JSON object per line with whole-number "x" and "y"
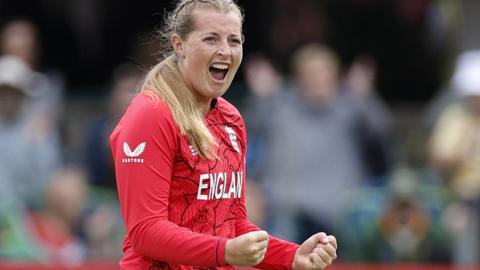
{"x": 178, "y": 46}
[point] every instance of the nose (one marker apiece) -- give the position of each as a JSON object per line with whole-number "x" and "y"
{"x": 224, "y": 49}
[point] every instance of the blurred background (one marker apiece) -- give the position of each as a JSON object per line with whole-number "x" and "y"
{"x": 363, "y": 120}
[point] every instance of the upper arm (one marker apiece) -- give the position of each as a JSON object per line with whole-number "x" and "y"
{"x": 144, "y": 146}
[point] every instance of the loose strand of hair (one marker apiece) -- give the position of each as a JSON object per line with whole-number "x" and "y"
{"x": 165, "y": 77}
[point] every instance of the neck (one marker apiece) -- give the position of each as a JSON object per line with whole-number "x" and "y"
{"x": 204, "y": 105}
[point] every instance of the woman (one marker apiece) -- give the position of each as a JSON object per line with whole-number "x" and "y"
{"x": 179, "y": 155}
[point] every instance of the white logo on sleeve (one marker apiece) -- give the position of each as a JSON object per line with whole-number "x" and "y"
{"x": 133, "y": 156}
{"x": 233, "y": 138}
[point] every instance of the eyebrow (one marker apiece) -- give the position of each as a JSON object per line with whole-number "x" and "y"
{"x": 217, "y": 34}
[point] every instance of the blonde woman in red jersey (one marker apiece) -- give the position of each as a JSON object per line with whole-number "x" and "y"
{"x": 179, "y": 155}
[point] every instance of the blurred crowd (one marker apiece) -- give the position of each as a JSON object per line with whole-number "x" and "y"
{"x": 56, "y": 206}
{"x": 325, "y": 153}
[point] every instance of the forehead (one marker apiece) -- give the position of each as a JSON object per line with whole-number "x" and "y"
{"x": 207, "y": 21}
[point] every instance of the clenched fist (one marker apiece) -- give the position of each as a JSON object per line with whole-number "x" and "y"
{"x": 247, "y": 249}
{"x": 316, "y": 253}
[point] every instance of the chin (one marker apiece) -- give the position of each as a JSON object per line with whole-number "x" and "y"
{"x": 217, "y": 91}
{"x": 218, "y": 94}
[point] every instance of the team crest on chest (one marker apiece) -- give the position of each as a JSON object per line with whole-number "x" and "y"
{"x": 233, "y": 138}
{"x": 193, "y": 150}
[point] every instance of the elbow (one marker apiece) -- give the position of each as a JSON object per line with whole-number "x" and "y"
{"x": 138, "y": 238}
{"x": 135, "y": 237}
{"x": 146, "y": 239}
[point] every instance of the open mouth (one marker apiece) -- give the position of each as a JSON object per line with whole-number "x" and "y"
{"x": 219, "y": 71}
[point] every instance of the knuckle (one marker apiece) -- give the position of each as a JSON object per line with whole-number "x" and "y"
{"x": 253, "y": 250}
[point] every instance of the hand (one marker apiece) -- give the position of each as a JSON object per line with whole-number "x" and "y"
{"x": 247, "y": 250}
{"x": 317, "y": 252}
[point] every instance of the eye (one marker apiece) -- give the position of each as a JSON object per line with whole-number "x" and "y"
{"x": 210, "y": 39}
{"x": 236, "y": 41}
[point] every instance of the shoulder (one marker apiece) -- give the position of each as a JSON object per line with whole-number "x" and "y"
{"x": 147, "y": 121}
{"x": 145, "y": 107}
{"x": 146, "y": 114}
{"x": 145, "y": 102}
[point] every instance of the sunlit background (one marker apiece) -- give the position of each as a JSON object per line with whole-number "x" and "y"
{"x": 363, "y": 120}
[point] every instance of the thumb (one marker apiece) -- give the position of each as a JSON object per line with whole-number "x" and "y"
{"x": 309, "y": 244}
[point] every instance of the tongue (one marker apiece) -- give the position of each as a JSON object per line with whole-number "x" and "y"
{"x": 217, "y": 74}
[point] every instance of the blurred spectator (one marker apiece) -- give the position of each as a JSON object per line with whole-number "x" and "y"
{"x": 20, "y": 38}
{"x": 316, "y": 135}
{"x": 57, "y": 226}
{"x": 15, "y": 243}
{"x": 398, "y": 222}
{"x": 125, "y": 82}
{"x": 35, "y": 128}
{"x": 409, "y": 228}
{"x": 264, "y": 85}
{"x": 28, "y": 154}
{"x": 75, "y": 223}
{"x": 104, "y": 229}
{"x": 379, "y": 150}
{"x": 455, "y": 152}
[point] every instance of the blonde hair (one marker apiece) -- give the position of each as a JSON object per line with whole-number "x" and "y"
{"x": 165, "y": 81}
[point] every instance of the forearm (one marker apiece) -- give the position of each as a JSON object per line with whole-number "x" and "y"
{"x": 166, "y": 241}
{"x": 279, "y": 254}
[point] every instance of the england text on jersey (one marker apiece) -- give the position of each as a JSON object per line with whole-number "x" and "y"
{"x": 215, "y": 186}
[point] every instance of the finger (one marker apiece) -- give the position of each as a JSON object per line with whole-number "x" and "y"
{"x": 258, "y": 258}
{"x": 317, "y": 261}
{"x": 260, "y": 253}
{"x": 257, "y": 247}
{"x": 319, "y": 236}
{"x": 324, "y": 240}
{"x": 329, "y": 248}
{"x": 332, "y": 240}
{"x": 311, "y": 243}
{"x": 325, "y": 256}
{"x": 262, "y": 244}
{"x": 259, "y": 236}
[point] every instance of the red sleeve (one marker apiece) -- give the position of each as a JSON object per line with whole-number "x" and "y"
{"x": 280, "y": 253}
{"x": 143, "y": 184}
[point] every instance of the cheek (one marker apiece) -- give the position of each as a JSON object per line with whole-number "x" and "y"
{"x": 238, "y": 54}
{"x": 237, "y": 58}
{"x": 195, "y": 68}
{"x": 195, "y": 63}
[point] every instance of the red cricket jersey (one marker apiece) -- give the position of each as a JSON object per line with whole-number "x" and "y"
{"x": 179, "y": 209}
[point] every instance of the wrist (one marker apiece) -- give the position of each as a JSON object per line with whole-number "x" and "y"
{"x": 294, "y": 265}
{"x": 221, "y": 252}
{"x": 227, "y": 252}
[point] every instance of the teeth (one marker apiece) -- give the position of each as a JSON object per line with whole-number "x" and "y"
{"x": 220, "y": 66}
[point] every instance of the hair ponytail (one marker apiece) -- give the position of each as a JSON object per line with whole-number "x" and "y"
{"x": 167, "y": 83}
